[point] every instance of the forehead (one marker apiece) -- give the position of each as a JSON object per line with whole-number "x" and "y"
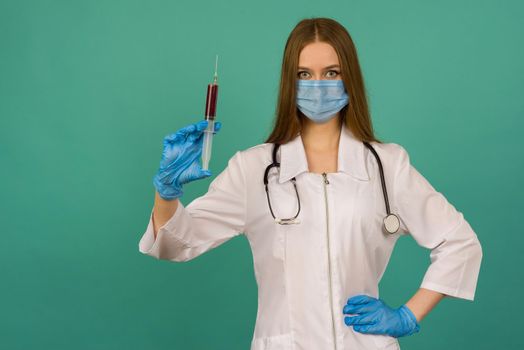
{"x": 317, "y": 54}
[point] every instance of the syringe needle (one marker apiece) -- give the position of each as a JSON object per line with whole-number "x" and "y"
{"x": 216, "y": 71}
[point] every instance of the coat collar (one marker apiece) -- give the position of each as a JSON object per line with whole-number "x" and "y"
{"x": 351, "y": 157}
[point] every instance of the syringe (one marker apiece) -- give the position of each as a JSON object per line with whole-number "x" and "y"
{"x": 211, "y": 105}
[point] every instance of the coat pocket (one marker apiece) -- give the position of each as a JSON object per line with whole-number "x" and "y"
{"x": 276, "y": 342}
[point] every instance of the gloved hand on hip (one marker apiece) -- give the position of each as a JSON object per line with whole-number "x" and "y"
{"x": 374, "y": 316}
{"x": 180, "y": 160}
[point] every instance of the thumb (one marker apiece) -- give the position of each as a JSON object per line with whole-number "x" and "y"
{"x": 204, "y": 174}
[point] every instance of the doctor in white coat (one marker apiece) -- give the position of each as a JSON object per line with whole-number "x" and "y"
{"x": 317, "y": 232}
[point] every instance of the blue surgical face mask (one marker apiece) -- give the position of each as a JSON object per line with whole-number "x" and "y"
{"x": 321, "y": 100}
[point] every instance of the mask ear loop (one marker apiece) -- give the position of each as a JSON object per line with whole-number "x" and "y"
{"x": 391, "y": 221}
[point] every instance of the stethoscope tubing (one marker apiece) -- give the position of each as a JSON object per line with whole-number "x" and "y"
{"x": 391, "y": 221}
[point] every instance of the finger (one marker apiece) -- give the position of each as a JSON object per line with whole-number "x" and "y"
{"x": 180, "y": 134}
{"x": 184, "y": 132}
{"x": 201, "y": 125}
{"x": 367, "y": 329}
{"x": 199, "y": 131}
{"x": 359, "y": 320}
{"x": 202, "y": 174}
{"x": 188, "y": 129}
{"x": 172, "y": 138}
{"x": 218, "y": 126}
{"x": 360, "y": 299}
{"x": 359, "y": 308}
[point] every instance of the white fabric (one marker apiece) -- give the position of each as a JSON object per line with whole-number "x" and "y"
{"x": 292, "y": 270}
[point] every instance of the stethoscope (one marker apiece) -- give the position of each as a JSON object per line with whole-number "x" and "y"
{"x": 391, "y": 221}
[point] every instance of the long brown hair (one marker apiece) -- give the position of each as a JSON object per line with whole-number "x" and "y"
{"x": 355, "y": 115}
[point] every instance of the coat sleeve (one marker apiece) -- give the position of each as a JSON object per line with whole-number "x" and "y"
{"x": 204, "y": 223}
{"x": 435, "y": 224}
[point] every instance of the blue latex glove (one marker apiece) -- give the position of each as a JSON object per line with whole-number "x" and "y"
{"x": 374, "y": 316}
{"x": 180, "y": 160}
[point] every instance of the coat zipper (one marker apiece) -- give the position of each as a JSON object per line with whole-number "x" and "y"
{"x": 326, "y": 182}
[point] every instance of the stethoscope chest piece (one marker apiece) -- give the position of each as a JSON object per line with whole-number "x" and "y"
{"x": 391, "y": 223}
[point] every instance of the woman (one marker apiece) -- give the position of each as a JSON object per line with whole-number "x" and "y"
{"x": 316, "y": 230}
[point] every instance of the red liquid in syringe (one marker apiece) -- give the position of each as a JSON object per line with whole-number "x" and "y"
{"x": 211, "y": 101}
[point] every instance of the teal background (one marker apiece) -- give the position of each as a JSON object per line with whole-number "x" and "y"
{"x": 88, "y": 89}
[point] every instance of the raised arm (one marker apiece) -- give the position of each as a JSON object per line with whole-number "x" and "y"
{"x": 205, "y": 223}
{"x": 162, "y": 211}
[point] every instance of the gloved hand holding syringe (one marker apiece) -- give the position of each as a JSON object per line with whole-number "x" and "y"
{"x": 179, "y": 162}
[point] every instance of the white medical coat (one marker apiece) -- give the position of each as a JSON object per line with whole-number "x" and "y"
{"x": 306, "y": 272}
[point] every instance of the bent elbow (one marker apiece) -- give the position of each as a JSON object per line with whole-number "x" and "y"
{"x": 477, "y": 250}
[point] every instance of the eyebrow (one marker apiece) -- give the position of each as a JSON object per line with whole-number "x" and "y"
{"x": 328, "y": 67}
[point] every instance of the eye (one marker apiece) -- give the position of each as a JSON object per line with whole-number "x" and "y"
{"x": 333, "y": 75}
{"x": 302, "y": 76}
